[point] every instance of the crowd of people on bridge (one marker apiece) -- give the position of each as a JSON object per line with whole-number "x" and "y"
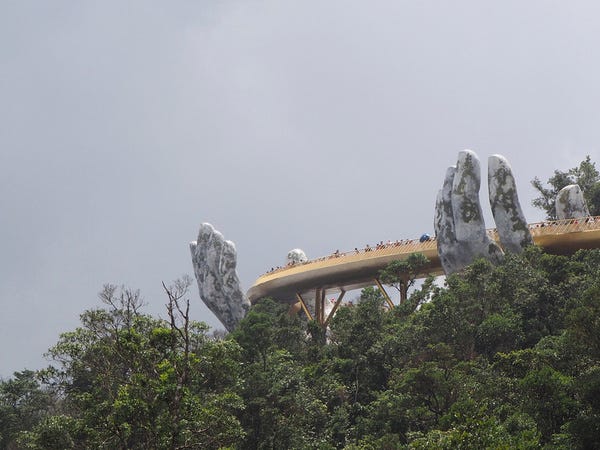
{"x": 425, "y": 237}
{"x": 381, "y": 245}
{"x": 555, "y": 223}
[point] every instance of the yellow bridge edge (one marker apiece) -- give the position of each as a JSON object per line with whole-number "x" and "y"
{"x": 359, "y": 268}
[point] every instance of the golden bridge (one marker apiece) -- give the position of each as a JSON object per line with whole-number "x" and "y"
{"x": 298, "y": 283}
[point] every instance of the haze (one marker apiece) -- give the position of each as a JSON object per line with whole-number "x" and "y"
{"x": 311, "y": 124}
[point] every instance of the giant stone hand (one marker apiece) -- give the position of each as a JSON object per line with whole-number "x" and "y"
{"x": 214, "y": 260}
{"x": 459, "y": 224}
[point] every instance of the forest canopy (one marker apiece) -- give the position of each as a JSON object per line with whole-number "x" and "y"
{"x": 500, "y": 357}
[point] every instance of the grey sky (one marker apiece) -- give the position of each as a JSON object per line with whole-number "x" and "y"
{"x": 315, "y": 124}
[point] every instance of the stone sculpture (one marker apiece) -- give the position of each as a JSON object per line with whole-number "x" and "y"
{"x": 214, "y": 260}
{"x": 570, "y": 203}
{"x": 510, "y": 222}
{"x": 459, "y": 224}
{"x": 444, "y": 225}
{"x": 296, "y": 256}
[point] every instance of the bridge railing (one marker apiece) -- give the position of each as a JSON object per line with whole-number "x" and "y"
{"x": 548, "y": 227}
{"x": 565, "y": 226}
{"x": 406, "y": 245}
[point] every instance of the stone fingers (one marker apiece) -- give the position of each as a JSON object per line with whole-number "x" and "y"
{"x": 444, "y": 223}
{"x": 468, "y": 216}
{"x": 459, "y": 224}
{"x": 510, "y": 222}
{"x": 570, "y": 203}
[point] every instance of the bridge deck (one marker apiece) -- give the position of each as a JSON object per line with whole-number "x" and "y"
{"x": 357, "y": 269}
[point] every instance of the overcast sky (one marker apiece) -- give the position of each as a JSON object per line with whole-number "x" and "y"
{"x": 315, "y": 124}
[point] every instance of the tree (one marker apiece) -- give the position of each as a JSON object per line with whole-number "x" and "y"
{"x": 402, "y": 274}
{"x": 23, "y": 404}
{"x": 503, "y": 356}
{"x": 547, "y": 399}
{"x": 585, "y": 175}
{"x": 130, "y": 381}
{"x": 359, "y": 360}
{"x": 280, "y": 388}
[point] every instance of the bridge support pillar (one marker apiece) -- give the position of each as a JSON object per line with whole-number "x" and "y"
{"x": 385, "y": 294}
{"x": 320, "y": 314}
{"x": 334, "y": 309}
{"x": 304, "y": 307}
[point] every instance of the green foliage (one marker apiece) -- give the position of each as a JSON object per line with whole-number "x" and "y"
{"x": 402, "y": 274}
{"x": 502, "y": 357}
{"x": 128, "y": 380}
{"x": 23, "y": 404}
{"x": 547, "y": 399}
{"x": 57, "y": 432}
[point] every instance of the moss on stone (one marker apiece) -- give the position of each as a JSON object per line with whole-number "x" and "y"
{"x": 469, "y": 211}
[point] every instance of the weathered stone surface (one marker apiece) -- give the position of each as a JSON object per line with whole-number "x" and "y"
{"x": 570, "y": 203}
{"x": 510, "y": 222}
{"x": 214, "y": 260}
{"x": 444, "y": 223}
{"x": 296, "y": 256}
{"x": 468, "y": 217}
{"x": 459, "y": 225}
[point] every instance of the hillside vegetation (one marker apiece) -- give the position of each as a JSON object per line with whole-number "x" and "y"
{"x": 501, "y": 357}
